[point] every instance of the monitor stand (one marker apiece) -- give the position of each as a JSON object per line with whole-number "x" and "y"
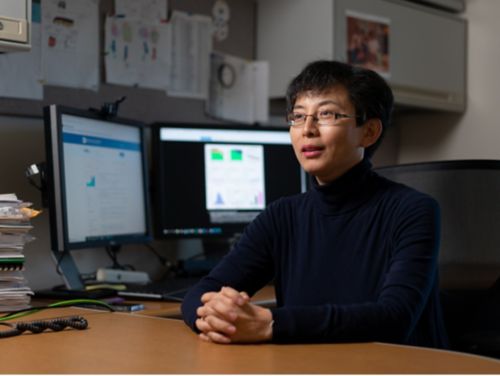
{"x": 68, "y": 269}
{"x": 74, "y": 286}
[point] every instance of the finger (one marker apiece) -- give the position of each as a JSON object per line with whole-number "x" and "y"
{"x": 245, "y": 296}
{"x": 234, "y": 295}
{"x": 206, "y": 297}
{"x": 203, "y": 326}
{"x": 214, "y": 323}
{"x": 220, "y": 325}
{"x": 204, "y": 337}
{"x": 210, "y": 299}
{"x": 221, "y": 306}
{"x": 229, "y": 292}
{"x": 223, "y": 313}
{"x": 242, "y": 299}
{"x": 223, "y": 309}
{"x": 218, "y": 337}
{"x": 205, "y": 310}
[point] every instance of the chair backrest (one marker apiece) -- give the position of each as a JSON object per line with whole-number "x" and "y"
{"x": 468, "y": 192}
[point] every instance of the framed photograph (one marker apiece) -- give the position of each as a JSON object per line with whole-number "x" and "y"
{"x": 368, "y": 41}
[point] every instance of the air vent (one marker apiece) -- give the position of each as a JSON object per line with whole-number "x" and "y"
{"x": 455, "y": 6}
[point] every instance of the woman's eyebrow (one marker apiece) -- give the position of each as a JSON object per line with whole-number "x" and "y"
{"x": 322, "y": 103}
{"x": 329, "y": 101}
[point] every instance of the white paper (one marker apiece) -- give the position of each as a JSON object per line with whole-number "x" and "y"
{"x": 9, "y": 197}
{"x": 191, "y": 47}
{"x": 21, "y": 71}
{"x": 137, "y": 53}
{"x": 242, "y": 97}
{"x": 70, "y": 43}
{"x": 151, "y": 10}
{"x": 261, "y": 90}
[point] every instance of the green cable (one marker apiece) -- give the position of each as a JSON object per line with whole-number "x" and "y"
{"x": 64, "y": 303}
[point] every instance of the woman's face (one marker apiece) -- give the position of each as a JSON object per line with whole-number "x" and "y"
{"x": 327, "y": 151}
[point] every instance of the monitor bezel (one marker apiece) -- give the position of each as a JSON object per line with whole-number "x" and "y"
{"x": 157, "y": 179}
{"x": 56, "y": 188}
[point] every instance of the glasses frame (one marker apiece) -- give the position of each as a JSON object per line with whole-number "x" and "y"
{"x": 336, "y": 116}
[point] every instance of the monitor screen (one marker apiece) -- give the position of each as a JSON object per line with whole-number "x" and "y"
{"x": 97, "y": 180}
{"x": 211, "y": 181}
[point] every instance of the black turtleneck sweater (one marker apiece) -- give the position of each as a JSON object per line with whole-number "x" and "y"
{"x": 354, "y": 260}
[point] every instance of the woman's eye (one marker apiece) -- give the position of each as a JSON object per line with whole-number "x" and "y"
{"x": 326, "y": 114}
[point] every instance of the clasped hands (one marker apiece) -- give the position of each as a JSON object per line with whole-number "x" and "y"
{"x": 228, "y": 316}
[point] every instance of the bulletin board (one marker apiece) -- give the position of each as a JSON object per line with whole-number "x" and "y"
{"x": 147, "y": 105}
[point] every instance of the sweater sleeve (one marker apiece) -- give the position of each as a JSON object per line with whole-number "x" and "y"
{"x": 247, "y": 267}
{"x": 402, "y": 298}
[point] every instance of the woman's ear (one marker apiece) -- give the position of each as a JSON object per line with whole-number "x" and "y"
{"x": 372, "y": 130}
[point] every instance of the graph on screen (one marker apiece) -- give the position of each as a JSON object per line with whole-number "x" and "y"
{"x": 234, "y": 177}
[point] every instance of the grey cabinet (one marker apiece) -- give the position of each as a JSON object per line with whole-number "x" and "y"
{"x": 426, "y": 57}
{"x": 15, "y": 21}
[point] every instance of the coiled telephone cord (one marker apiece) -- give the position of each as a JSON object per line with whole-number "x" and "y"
{"x": 38, "y": 326}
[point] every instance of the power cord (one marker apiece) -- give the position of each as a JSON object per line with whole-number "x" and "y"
{"x": 163, "y": 260}
{"x": 63, "y": 303}
{"x": 112, "y": 252}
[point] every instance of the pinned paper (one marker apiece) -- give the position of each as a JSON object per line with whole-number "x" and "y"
{"x": 191, "y": 47}
{"x": 239, "y": 89}
{"x": 137, "y": 53}
{"x": 70, "y": 43}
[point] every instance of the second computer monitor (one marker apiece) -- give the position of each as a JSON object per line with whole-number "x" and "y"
{"x": 211, "y": 181}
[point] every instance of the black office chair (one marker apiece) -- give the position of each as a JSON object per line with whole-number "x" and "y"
{"x": 468, "y": 192}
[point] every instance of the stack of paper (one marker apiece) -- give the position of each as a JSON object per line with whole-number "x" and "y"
{"x": 15, "y": 224}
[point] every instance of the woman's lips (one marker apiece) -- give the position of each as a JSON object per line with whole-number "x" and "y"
{"x": 311, "y": 151}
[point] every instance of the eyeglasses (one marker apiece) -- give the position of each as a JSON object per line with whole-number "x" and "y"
{"x": 326, "y": 118}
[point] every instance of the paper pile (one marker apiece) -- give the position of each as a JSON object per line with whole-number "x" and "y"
{"x": 15, "y": 224}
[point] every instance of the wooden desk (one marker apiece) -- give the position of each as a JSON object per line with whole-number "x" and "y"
{"x": 126, "y": 343}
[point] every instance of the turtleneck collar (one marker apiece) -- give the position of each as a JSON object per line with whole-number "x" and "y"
{"x": 345, "y": 193}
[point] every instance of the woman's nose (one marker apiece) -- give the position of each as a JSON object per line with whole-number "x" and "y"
{"x": 310, "y": 126}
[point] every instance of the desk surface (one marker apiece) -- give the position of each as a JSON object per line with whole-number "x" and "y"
{"x": 132, "y": 343}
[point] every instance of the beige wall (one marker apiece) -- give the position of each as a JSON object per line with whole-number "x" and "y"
{"x": 476, "y": 133}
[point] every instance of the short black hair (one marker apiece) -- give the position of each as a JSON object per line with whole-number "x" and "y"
{"x": 369, "y": 93}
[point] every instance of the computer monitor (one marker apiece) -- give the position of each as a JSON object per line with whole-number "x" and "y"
{"x": 210, "y": 181}
{"x": 96, "y": 175}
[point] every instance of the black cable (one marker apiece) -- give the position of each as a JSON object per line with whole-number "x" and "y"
{"x": 173, "y": 268}
{"x": 112, "y": 252}
{"x": 162, "y": 259}
{"x": 34, "y": 183}
{"x": 57, "y": 324}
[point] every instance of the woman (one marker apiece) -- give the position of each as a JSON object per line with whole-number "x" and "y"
{"x": 352, "y": 259}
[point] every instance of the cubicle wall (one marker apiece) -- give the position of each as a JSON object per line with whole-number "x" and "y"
{"x": 146, "y": 104}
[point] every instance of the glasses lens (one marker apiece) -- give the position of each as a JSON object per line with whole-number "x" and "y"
{"x": 295, "y": 119}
